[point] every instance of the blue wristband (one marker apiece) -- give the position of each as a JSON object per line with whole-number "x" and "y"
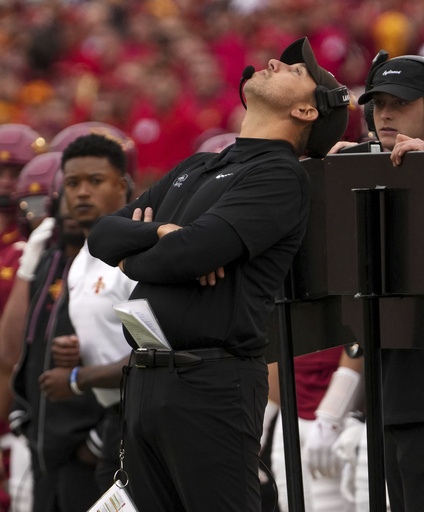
{"x": 73, "y": 382}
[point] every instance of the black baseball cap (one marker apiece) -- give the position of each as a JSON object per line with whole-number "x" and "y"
{"x": 402, "y": 76}
{"x": 332, "y": 99}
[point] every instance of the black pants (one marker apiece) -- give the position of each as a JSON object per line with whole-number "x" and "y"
{"x": 109, "y": 461}
{"x": 67, "y": 488}
{"x": 193, "y": 436}
{"x": 404, "y": 453}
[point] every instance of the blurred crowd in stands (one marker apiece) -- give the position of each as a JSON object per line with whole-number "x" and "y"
{"x": 167, "y": 71}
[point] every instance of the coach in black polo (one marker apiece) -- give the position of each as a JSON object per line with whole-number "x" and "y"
{"x": 210, "y": 245}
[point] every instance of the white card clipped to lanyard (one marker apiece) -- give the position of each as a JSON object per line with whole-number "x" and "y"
{"x": 115, "y": 499}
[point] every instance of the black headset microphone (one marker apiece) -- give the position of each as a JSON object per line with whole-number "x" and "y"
{"x": 247, "y": 73}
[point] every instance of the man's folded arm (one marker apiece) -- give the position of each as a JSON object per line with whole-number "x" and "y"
{"x": 114, "y": 238}
{"x": 185, "y": 254}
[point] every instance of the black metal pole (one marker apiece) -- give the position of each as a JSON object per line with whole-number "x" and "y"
{"x": 289, "y": 416}
{"x": 368, "y": 212}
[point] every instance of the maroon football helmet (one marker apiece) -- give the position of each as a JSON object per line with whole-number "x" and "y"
{"x": 38, "y": 185}
{"x": 18, "y": 145}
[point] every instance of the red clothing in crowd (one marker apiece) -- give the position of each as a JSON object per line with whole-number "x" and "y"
{"x": 215, "y": 112}
{"x": 313, "y": 373}
{"x": 330, "y": 45}
{"x": 11, "y": 245}
{"x": 163, "y": 140}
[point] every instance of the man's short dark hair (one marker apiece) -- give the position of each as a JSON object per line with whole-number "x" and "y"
{"x": 98, "y": 146}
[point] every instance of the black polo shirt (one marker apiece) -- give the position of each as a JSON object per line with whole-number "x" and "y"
{"x": 244, "y": 209}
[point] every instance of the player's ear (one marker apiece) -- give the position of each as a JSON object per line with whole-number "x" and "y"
{"x": 122, "y": 186}
{"x": 305, "y": 112}
{"x": 129, "y": 187}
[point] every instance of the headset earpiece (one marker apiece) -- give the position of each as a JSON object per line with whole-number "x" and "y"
{"x": 322, "y": 106}
{"x": 327, "y": 99}
{"x": 369, "y": 116}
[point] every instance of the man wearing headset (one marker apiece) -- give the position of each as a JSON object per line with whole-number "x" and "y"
{"x": 394, "y": 104}
{"x": 394, "y": 110}
{"x": 222, "y": 233}
{"x": 396, "y": 88}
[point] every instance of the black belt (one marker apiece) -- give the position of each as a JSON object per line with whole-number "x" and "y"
{"x": 151, "y": 357}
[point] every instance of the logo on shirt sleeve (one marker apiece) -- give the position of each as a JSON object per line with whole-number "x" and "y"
{"x": 180, "y": 180}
